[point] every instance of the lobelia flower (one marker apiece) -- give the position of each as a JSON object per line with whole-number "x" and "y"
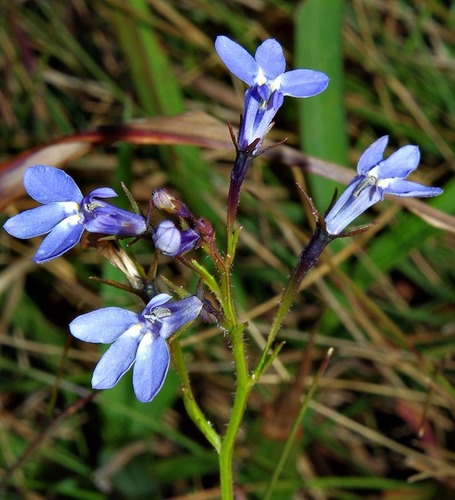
{"x": 375, "y": 178}
{"x": 173, "y": 241}
{"x": 65, "y": 213}
{"x": 268, "y": 84}
{"x": 137, "y": 338}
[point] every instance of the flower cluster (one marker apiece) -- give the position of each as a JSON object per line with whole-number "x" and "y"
{"x": 267, "y": 82}
{"x": 138, "y": 339}
{"x": 375, "y": 178}
{"x": 141, "y": 339}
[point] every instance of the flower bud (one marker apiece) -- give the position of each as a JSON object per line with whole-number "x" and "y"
{"x": 163, "y": 200}
{"x": 170, "y": 240}
{"x": 169, "y": 203}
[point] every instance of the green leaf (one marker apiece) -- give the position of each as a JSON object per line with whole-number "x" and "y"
{"x": 322, "y": 119}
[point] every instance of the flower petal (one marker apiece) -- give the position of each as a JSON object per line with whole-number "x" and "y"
{"x": 181, "y": 312}
{"x": 117, "y": 360}
{"x": 156, "y": 301}
{"x": 303, "y": 82}
{"x": 64, "y": 236}
{"x": 104, "y": 218}
{"x": 348, "y": 207}
{"x": 270, "y": 58}
{"x": 103, "y": 192}
{"x": 39, "y": 220}
{"x": 400, "y": 164}
{"x": 167, "y": 238}
{"x": 237, "y": 60}
{"x": 170, "y": 240}
{"x": 103, "y": 325}
{"x": 189, "y": 240}
{"x": 399, "y": 187}
{"x": 48, "y": 184}
{"x": 150, "y": 369}
{"x": 256, "y": 121}
{"x": 372, "y": 156}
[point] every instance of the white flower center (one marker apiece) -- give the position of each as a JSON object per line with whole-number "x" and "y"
{"x": 70, "y": 207}
{"x": 260, "y": 78}
{"x": 275, "y": 84}
{"x": 72, "y": 220}
{"x": 384, "y": 183}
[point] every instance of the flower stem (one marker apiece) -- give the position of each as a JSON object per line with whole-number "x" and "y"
{"x": 242, "y": 163}
{"x": 243, "y": 387}
{"x": 307, "y": 259}
{"x": 243, "y": 379}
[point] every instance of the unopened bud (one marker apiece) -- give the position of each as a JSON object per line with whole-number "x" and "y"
{"x": 169, "y": 240}
{"x": 163, "y": 200}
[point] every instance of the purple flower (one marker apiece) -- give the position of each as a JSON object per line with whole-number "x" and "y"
{"x": 268, "y": 84}
{"x": 65, "y": 213}
{"x": 137, "y": 338}
{"x": 172, "y": 241}
{"x": 375, "y": 178}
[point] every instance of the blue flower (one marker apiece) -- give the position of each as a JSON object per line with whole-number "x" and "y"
{"x": 268, "y": 83}
{"x": 65, "y": 213}
{"x": 137, "y": 338}
{"x": 172, "y": 241}
{"x": 375, "y": 178}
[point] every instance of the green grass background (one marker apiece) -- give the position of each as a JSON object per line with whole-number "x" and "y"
{"x": 383, "y": 300}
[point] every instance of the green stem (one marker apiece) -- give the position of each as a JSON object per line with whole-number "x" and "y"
{"x": 243, "y": 387}
{"x": 307, "y": 259}
{"x": 244, "y": 382}
{"x": 243, "y": 379}
{"x": 191, "y": 406}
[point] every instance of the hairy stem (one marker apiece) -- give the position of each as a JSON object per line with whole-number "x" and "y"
{"x": 243, "y": 388}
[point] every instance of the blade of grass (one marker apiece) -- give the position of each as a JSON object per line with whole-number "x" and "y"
{"x": 322, "y": 119}
{"x": 159, "y": 92}
{"x": 291, "y": 439}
